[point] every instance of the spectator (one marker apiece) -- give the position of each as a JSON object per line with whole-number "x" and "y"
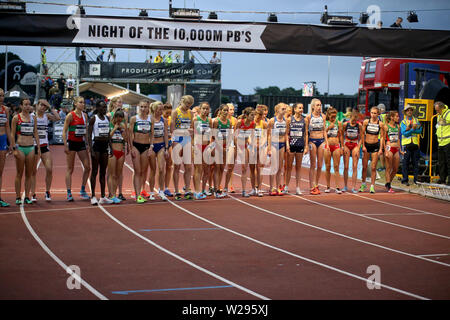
{"x": 48, "y": 84}
{"x": 111, "y": 56}
{"x": 55, "y": 98}
{"x": 397, "y": 23}
{"x": 168, "y": 59}
{"x": 178, "y": 58}
{"x": 158, "y": 58}
{"x": 214, "y": 59}
{"x": 100, "y": 56}
{"x": 192, "y": 59}
{"x": 44, "y": 61}
{"x": 70, "y": 86}
{"x": 82, "y": 57}
{"x": 410, "y": 130}
{"x": 63, "y": 112}
{"x": 61, "y": 84}
{"x": 379, "y": 24}
{"x": 149, "y": 60}
{"x": 443, "y": 136}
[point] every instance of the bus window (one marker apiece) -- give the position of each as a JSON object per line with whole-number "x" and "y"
{"x": 370, "y": 70}
{"x": 372, "y": 101}
{"x": 362, "y": 97}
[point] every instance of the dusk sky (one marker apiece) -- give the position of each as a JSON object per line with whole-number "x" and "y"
{"x": 245, "y": 71}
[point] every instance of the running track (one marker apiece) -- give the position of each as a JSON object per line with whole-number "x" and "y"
{"x": 289, "y": 247}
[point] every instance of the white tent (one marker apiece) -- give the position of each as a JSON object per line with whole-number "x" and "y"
{"x": 110, "y": 90}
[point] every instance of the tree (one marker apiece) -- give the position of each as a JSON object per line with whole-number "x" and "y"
{"x": 269, "y": 91}
{"x": 11, "y": 56}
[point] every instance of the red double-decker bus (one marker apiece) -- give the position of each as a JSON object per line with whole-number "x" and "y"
{"x": 379, "y": 81}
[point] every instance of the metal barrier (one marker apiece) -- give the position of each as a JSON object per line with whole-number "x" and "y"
{"x": 440, "y": 191}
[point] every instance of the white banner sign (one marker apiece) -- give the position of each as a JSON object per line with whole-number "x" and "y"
{"x": 157, "y": 33}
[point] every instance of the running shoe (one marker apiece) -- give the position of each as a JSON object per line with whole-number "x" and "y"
{"x": 151, "y": 196}
{"x": 33, "y": 198}
{"x": 232, "y": 189}
{"x": 345, "y": 189}
{"x": 315, "y": 191}
{"x": 133, "y": 195}
{"x": 162, "y": 195}
{"x": 338, "y": 191}
{"x": 105, "y": 200}
{"x": 121, "y": 197}
{"x": 116, "y": 200}
{"x": 284, "y": 189}
{"x": 245, "y": 194}
{"x": 18, "y": 201}
{"x": 188, "y": 195}
{"x": 3, "y": 203}
{"x": 207, "y": 193}
{"x": 363, "y": 188}
{"x": 145, "y": 194}
{"x": 327, "y": 190}
{"x": 354, "y": 190}
{"x": 211, "y": 191}
{"x": 219, "y": 195}
{"x": 178, "y": 196}
{"x": 84, "y": 195}
{"x": 69, "y": 197}
{"x": 184, "y": 189}
{"x": 298, "y": 192}
{"x": 252, "y": 193}
{"x": 274, "y": 192}
{"x": 141, "y": 199}
{"x": 260, "y": 193}
{"x": 28, "y": 201}
{"x": 94, "y": 201}
{"x": 391, "y": 190}
{"x": 47, "y": 196}
{"x": 372, "y": 189}
{"x": 167, "y": 193}
{"x": 199, "y": 196}
{"x": 280, "y": 193}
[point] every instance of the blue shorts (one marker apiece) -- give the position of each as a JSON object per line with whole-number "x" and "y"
{"x": 317, "y": 142}
{"x": 279, "y": 145}
{"x": 183, "y": 140}
{"x": 3, "y": 143}
{"x": 158, "y": 146}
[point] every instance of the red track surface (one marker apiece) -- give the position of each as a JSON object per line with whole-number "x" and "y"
{"x": 310, "y": 247}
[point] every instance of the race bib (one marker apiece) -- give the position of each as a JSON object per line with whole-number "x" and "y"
{"x": 3, "y": 119}
{"x": 159, "y": 131}
{"x": 117, "y": 135}
{"x": 27, "y": 129}
{"x": 185, "y": 124}
{"x": 296, "y": 133}
{"x": 393, "y": 137}
{"x": 103, "y": 129}
{"x": 80, "y": 130}
{"x": 42, "y": 132}
{"x": 143, "y": 127}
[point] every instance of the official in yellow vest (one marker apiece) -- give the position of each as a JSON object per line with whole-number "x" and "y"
{"x": 411, "y": 129}
{"x": 443, "y": 137}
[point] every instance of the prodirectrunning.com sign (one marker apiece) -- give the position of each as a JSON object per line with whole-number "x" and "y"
{"x": 149, "y": 71}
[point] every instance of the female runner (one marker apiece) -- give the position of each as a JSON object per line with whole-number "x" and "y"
{"x": 140, "y": 140}
{"x": 352, "y": 144}
{"x": 181, "y": 131}
{"x": 296, "y": 148}
{"x": 160, "y": 152}
{"x": 277, "y": 136}
{"x": 25, "y": 127}
{"x": 392, "y": 150}
{"x": 202, "y": 135}
{"x": 318, "y": 142}
{"x": 244, "y": 130}
{"x": 372, "y": 147}
{"x": 118, "y": 137}
{"x": 334, "y": 150}
{"x": 42, "y": 119}
{"x": 169, "y": 164}
{"x": 261, "y": 148}
{"x": 231, "y": 152}
{"x": 98, "y": 131}
{"x": 5, "y": 134}
{"x": 115, "y": 105}
{"x": 75, "y": 138}
{"x": 223, "y": 126}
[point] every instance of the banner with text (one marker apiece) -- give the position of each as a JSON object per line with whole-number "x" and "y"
{"x": 205, "y": 93}
{"x": 92, "y": 70}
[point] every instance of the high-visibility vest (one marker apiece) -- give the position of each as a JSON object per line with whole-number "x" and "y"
{"x": 158, "y": 59}
{"x": 443, "y": 128}
{"x": 413, "y": 138}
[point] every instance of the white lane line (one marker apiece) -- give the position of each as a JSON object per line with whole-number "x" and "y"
{"x": 363, "y": 216}
{"x": 54, "y": 257}
{"x": 434, "y": 255}
{"x": 291, "y": 253}
{"x": 395, "y": 214}
{"x": 387, "y": 203}
{"x": 176, "y": 256}
{"x": 337, "y": 233}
